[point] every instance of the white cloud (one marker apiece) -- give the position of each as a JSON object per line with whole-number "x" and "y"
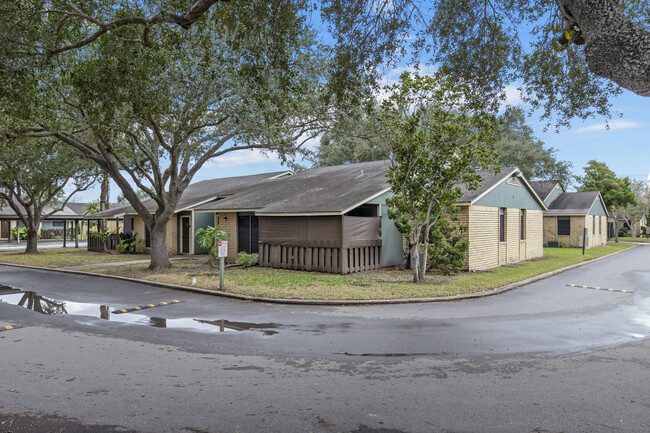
{"x": 241, "y": 157}
{"x": 513, "y": 96}
{"x": 616, "y": 125}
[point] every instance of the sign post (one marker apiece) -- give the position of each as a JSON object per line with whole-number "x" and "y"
{"x": 223, "y": 253}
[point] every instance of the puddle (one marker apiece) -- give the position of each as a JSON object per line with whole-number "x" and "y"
{"x": 40, "y": 304}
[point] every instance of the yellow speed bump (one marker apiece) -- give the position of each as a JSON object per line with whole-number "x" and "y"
{"x": 8, "y": 327}
{"x": 144, "y": 307}
{"x": 600, "y": 288}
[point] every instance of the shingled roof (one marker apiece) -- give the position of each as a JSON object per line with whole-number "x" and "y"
{"x": 7, "y": 212}
{"x": 331, "y": 190}
{"x": 543, "y": 187}
{"x": 572, "y": 203}
{"x": 198, "y": 193}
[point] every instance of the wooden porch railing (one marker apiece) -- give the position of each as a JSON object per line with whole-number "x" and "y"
{"x": 321, "y": 259}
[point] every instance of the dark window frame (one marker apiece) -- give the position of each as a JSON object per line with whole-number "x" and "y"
{"x": 502, "y": 224}
{"x": 522, "y": 224}
{"x": 564, "y": 229}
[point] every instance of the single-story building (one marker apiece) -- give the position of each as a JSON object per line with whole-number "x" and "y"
{"x": 570, "y": 213}
{"x": 63, "y": 221}
{"x": 334, "y": 219}
{"x": 185, "y": 222}
{"x": 504, "y": 217}
{"x": 331, "y": 219}
{"x": 333, "y": 216}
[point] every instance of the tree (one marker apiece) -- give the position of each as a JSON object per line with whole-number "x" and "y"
{"x": 356, "y": 136}
{"x": 449, "y": 243}
{"x": 435, "y": 136}
{"x": 152, "y": 114}
{"x": 580, "y": 47}
{"x": 632, "y": 211}
{"x": 598, "y": 176}
{"x": 33, "y": 176}
{"x": 616, "y": 192}
{"x": 515, "y": 145}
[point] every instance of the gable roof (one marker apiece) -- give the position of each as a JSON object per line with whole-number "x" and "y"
{"x": 491, "y": 181}
{"x": 544, "y": 188}
{"x": 7, "y": 212}
{"x": 332, "y": 190}
{"x": 198, "y": 193}
{"x": 574, "y": 203}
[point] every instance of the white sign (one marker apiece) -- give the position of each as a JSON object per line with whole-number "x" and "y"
{"x": 223, "y": 249}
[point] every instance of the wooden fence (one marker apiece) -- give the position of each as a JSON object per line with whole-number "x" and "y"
{"x": 95, "y": 243}
{"x": 330, "y": 260}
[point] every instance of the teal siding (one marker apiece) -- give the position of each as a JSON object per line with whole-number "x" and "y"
{"x": 201, "y": 221}
{"x": 512, "y": 196}
{"x": 552, "y": 196}
{"x": 391, "y": 239}
{"x": 598, "y": 208}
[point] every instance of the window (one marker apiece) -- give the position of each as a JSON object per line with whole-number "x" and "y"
{"x": 600, "y": 226}
{"x": 502, "y": 224}
{"x": 563, "y": 226}
{"x": 522, "y": 224}
{"x": 58, "y": 224}
{"x": 593, "y": 226}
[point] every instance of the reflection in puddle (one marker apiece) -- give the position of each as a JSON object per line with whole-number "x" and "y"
{"x": 33, "y": 301}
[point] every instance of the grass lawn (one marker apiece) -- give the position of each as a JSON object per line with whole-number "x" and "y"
{"x": 66, "y": 257}
{"x": 630, "y": 239}
{"x": 382, "y": 284}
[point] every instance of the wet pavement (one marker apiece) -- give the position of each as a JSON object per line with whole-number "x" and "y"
{"x": 545, "y": 357}
{"x": 549, "y": 316}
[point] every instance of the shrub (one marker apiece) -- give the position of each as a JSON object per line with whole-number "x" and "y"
{"x": 208, "y": 239}
{"x": 127, "y": 244}
{"x": 23, "y": 233}
{"x": 245, "y": 260}
{"x": 449, "y": 244}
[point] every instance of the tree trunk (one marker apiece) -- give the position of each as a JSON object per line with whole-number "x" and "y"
{"x": 634, "y": 229}
{"x": 159, "y": 254}
{"x": 32, "y": 240}
{"x": 415, "y": 259}
{"x": 615, "y": 48}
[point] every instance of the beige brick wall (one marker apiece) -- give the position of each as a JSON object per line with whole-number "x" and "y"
{"x": 485, "y": 249}
{"x": 228, "y": 223}
{"x": 597, "y": 235}
{"x": 512, "y": 235}
{"x": 483, "y": 235}
{"x": 172, "y": 235}
{"x": 534, "y": 233}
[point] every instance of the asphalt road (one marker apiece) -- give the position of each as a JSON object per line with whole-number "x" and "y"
{"x": 545, "y": 357}
{"x": 42, "y": 245}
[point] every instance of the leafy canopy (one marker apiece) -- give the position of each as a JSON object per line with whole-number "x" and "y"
{"x": 437, "y": 139}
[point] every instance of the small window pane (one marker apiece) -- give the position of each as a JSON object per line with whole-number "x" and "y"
{"x": 564, "y": 226}
{"x": 522, "y": 224}
{"x": 502, "y": 224}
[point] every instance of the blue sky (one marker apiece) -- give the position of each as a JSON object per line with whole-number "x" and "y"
{"x": 624, "y": 147}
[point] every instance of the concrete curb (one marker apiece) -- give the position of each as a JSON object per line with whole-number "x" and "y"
{"x": 476, "y": 295}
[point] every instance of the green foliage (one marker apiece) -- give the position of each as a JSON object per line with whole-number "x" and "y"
{"x": 92, "y": 207}
{"x": 616, "y": 191}
{"x": 437, "y": 135}
{"x": 246, "y": 260}
{"x": 515, "y": 145}
{"x": 127, "y": 244}
{"x": 356, "y": 136}
{"x": 448, "y": 244}
{"x": 23, "y": 233}
{"x": 208, "y": 239}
